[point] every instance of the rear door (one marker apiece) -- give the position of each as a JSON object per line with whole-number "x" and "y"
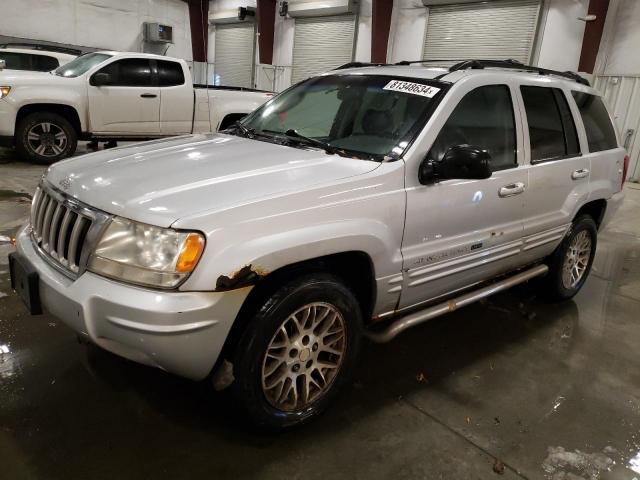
{"x": 459, "y": 232}
{"x": 558, "y": 172}
{"x": 130, "y": 103}
{"x": 176, "y": 98}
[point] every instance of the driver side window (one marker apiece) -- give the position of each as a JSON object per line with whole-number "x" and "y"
{"x": 484, "y": 118}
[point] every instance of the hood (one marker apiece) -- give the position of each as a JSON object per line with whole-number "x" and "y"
{"x": 7, "y": 75}
{"x": 160, "y": 181}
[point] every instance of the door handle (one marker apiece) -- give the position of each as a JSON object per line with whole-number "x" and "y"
{"x": 511, "y": 189}
{"x": 581, "y": 173}
{"x": 148, "y": 95}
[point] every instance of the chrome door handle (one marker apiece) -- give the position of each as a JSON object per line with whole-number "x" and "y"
{"x": 511, "y": 189}
{"x": 581, "y": 173}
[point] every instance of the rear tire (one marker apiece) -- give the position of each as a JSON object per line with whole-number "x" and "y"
{"x": 297, "y": 352}
{"x": 570, "y": 264}
{"x": 45, "y": 138}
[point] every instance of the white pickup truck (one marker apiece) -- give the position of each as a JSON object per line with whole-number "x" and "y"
{"x": 112, "y": 96}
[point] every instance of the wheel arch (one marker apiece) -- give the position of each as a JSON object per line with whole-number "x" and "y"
{"x": 594, "y": 208}
{"x": 67, "y": 111}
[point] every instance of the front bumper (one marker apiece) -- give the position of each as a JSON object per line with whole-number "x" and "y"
{"x": 180, "y": 332}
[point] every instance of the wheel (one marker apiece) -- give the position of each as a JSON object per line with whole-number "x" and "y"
{"x": 297, "y": 351}
{"x": 570, "y": 264}
{"x": 45, "y": 138}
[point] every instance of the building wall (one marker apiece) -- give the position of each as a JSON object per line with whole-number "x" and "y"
{"x": 108, "y": 24}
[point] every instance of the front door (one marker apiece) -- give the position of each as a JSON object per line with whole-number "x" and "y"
{"x": 459, "y": 232}
{"x": 129, "y": 104}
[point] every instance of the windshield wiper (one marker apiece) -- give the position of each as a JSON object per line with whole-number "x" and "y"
{"x": 248, "y": 132}
{"x": 311, "y": 141}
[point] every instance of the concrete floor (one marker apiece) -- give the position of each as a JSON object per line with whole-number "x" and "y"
{"x": 529, "y": 389}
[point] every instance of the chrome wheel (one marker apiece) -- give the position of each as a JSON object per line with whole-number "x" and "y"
{"x": 576, "y": 260}
{"x": 304, "y": 357}
{"x": 47, "y": 139}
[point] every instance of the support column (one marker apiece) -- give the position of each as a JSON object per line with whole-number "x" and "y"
{"x": 199, "y": 22}
{"x": 593, "y": 35}
{"x": 380, "y": 25}
{"x": 266, "y": 15}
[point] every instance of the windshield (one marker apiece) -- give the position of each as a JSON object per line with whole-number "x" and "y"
{"x": 371, "y": 115}
{"x": 80, "y": 65}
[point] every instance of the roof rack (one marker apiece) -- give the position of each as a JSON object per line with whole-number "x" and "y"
{"x": 38, "y": 46}
{"x": 515, "y": 65}
{"x": 360, "y": 65}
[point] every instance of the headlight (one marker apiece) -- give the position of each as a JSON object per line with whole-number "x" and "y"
{"x": 146, "y": 255}
{"x": 4, "y": 91}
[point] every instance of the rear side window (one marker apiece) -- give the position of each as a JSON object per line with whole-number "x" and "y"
{"x": 552, "y": 131}
{"x": 597, "y": 124}
{"x": 483, "y": 118}
{"x": 43, "y": 63}
{"x": 129, "y": 72}
{"x": 170, "y": 74}
{"x": 26, "y": 61}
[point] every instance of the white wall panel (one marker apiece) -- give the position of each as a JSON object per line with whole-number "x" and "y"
{"x": 622, "y": 95}
{"x": 622, "y": 56}
{"x": 111, "y": 24}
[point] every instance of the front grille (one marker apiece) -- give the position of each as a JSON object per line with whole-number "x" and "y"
{"x": 59, "y": 230}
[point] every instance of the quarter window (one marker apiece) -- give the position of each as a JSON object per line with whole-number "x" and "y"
{"x": 170, "y": 74}
{"x": 483, "y": 118}
{"x": 597, "y": 124}
{"x": 552, "y": 131}
{"x": 129, "y": 72}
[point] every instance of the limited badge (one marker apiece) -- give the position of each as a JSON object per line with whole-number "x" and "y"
{"x": 412, "y": 88}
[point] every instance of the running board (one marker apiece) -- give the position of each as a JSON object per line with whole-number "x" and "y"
{"x": 427, "y": 314}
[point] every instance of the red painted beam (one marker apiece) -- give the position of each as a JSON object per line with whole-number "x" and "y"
{"x": 199, "y": 22}
{"x": 593, "y": 35}
{"x": 266, "y": 14}
{"x": 380, "y": 25}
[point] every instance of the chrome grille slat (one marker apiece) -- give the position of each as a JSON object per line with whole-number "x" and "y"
{"x": 62, "y": 237}
{"x": 73, "y": 243}
{"x": 60, "y": 227}
{"x": 53, "y": 229}
{"x": 46, "y": 224}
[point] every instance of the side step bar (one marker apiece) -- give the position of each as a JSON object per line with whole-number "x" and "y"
{"x": 427, "y": 314}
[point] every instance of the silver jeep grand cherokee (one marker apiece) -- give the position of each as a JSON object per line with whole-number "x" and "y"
{"x": 357, "y": 203}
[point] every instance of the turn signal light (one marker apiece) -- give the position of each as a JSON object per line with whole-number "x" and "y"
{"x": 625, "y": 169}
{"x": 4, "y": 91}
{"x": 190, "y": 253}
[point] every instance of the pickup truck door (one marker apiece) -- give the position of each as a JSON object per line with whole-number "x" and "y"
{"x": 129, "y": 103}
{"x": 176, "y": 98}
{"x": 559, "y": 174}
{"x": 460, "y": 232}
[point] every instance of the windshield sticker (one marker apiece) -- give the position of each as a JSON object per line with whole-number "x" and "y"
{"x": 413, "y": 88}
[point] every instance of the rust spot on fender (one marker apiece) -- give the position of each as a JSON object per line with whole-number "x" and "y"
{"x": 247, "y": 275}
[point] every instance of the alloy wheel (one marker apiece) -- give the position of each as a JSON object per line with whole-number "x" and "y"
{"x": 47, "y": 139}
{"x": 576, "y": 259}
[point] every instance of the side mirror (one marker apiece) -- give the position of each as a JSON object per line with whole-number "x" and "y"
{"x": 3, "y": 64}
{"x": 100, "y": 79}
{"x": 463, "y": 162}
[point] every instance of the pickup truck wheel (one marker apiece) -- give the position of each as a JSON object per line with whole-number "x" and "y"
{"x": 45, "y": 138}
{"x": 297, "y": 352}
{"x": 570, "y": 264}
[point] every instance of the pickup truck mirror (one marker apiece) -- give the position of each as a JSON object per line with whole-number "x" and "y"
{"x": 464, "y": 162}
{"x": 3, "y": 64}
{"x": 100, "y": 79}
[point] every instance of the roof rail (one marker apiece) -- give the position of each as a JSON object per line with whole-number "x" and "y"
{"x": 360, "y": 65}
{"x": 516, "y": 65}
{"x": 38, "y": 46}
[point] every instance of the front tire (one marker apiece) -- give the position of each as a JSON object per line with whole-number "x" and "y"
{"x": 570, "y": 264}
{"x": 297, "y": 352}
{"x": 45, "y": 138}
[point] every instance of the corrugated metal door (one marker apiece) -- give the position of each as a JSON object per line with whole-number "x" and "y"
{"x": 234, "y": 54}
{"x": 321, "y": 44}
{"x": 498, "y": 29}
{"x": 622, "y": 96}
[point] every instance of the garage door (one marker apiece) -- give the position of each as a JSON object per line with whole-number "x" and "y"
{"x": 490, "y": 30}
{"x": 321, "y": 44}
{"x": 234, "y": 54}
